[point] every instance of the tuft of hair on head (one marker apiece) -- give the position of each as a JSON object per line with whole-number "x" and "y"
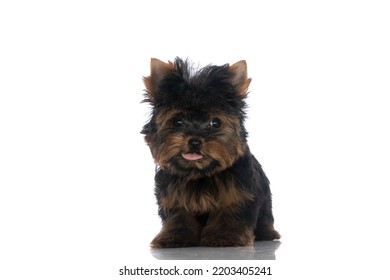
{"x": 237, "y": 76}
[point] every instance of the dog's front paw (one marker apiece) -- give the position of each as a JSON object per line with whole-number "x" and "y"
{"x": 228, "y": 239}
{"x": 170, "y": 240}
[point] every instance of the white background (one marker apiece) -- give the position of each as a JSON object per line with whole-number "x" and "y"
{"x": 76, "y": 179}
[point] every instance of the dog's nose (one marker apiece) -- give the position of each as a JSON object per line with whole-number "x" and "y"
{"x": 194, "y": 143}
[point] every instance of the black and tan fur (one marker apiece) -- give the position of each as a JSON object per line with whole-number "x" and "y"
{"x": 210, "y": 189}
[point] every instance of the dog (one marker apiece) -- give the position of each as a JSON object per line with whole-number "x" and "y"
{"x": 210, "y": 189}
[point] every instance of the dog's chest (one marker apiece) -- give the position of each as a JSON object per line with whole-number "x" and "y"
{"x": 204, "y": 195}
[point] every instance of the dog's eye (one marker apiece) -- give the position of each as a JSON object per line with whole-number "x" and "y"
{"x": 177, "y": 122}
{"x": 215, "y": 123}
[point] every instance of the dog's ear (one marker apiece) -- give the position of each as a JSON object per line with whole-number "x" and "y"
{"x": 240, "y": 78}
{"x": 158, "y": 70}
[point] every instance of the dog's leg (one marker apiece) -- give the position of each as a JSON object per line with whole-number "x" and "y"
{"x": 265, "y": 223}
{"x": 180, "y": 229}
{"x": 225, "y": 229}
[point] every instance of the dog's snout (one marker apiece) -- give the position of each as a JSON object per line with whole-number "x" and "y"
{"x": 194, "y": 143}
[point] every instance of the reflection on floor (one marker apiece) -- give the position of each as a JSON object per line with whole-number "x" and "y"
{"x": 261, "y": 250}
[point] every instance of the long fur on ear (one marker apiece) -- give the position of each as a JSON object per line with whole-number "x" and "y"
{"x": 240, "y": 77}
{"x": 158, "y": 70}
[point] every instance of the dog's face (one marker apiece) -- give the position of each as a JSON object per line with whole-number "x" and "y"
{"x": 196, "y": 128}
{"x": 195, "y": 142}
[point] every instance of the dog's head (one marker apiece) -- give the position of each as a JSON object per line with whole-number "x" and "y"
{"x": 197, "y": 122}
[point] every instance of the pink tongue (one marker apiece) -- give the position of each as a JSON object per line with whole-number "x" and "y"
{"x": 192, "y": 156}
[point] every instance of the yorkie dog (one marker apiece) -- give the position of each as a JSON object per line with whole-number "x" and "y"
{"x": 210, "y": 189}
